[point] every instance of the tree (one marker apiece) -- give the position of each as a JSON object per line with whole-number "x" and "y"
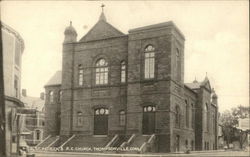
{"x": 230, "y": 121}
{"x": 228, "y": 126}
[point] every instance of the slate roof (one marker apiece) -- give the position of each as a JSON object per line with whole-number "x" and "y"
{"x": 33, "y": 103}
{"x": 193, "y": 85}
{"x": 56, "y": 79}
{"x": 196, "y": 85}
{"x": 101, "y": 30}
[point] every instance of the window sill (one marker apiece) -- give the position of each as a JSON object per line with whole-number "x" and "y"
{"x": 100, "y": 86}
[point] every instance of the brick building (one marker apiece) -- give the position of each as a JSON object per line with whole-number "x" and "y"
{"x": 118, "y": 90}
{"x": 13, "y": 47}
{"x": 33, "y": 120}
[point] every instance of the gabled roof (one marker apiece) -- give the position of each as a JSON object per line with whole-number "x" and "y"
{"x": 196, "y": 85}
{"x": 206, "y": 84}
{"x": 56, "y": 79}
{"x": 33, "y": 103}
{"x": 101, "y": 30}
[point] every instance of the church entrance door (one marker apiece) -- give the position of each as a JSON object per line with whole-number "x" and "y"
{"x": 101, "y": 121}
{"x": 148, "y": 121}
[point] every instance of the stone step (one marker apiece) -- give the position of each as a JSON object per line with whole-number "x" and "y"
{"x": 47, "y": 142}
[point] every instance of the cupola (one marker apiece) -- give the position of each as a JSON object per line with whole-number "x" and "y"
{"x": 214, "y": 97}
{"x": 70, "y": 34}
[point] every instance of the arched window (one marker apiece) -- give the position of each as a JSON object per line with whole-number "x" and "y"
{"x": 51, "y": 96}
{"x": 38, "y": 134}
{"x": 101, "y": 111}
{"x": 177, "y": 116}
{"x": 149, "y": 109}
{"x": 149, "y": 63}
{"x": 122, "y": 118}
{"x": 60, "y": 96}
{"x": 186, "y": 143}
{"x": 206, "y": 117}
{"x": 80, "y": 75}
{"x": 187, "y": 113}
{"x": 213, "y": 123}
{"x": 192, "y": 145}
{"x": 123, "y": 71}
{"x": 178, "y": 64}
{"x": 101, "y": 74}
{"x": 193, "y": 115}
{"x": 79, "y": 119}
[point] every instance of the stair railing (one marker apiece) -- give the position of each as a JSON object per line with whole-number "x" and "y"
{"x": 112, "y": 140}
{"x": 129, "y": 141}
{"x": 57, "y": 138}
{"x": 68, "y": 140}
{"x": 43, "y": 140}
{"x": 147, "y": 144}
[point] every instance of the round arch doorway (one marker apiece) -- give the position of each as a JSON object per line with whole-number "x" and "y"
{"x": 101, "y": 121}
{"x": 148, "y": 120}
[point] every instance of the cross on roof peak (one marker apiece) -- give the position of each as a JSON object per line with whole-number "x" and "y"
{"x": 102, "y": 6}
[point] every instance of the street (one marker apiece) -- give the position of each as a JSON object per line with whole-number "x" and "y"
{"x": 71, "y": 154}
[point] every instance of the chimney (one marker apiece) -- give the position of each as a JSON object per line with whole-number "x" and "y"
{"x": 42, "y": 95}
{"x": 24, "y": 92}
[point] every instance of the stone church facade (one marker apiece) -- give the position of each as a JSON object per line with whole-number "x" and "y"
{"x": 128, "y": 90}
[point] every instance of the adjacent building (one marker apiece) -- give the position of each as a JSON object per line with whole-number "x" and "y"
{"x": 128, "y": 90}
{"x": 13, "y": 47}
{"x": 34, "y": 118}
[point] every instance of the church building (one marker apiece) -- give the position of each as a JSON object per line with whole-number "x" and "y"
{"x": 128, "y": 90}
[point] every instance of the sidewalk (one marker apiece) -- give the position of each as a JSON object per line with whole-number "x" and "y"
{"x": 123, "y": 154}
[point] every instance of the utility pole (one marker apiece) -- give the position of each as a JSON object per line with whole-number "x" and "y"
{"x": 2, "y": 102}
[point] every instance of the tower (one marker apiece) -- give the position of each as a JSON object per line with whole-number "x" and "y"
{"x": 70, "y": 38}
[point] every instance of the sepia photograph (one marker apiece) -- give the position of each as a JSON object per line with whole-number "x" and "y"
{"x": 124, "y": 78}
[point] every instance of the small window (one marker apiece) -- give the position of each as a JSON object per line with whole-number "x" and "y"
{"x": 51, "y": 96}
{"x": 123, "y": 71}
{"x": 80, "y": 75}
{"x": 13, "y": 139}
{"x": 187, "y": 113}
{"x": 177, "y": 116}
{"x": 16, "y": 86}
{"x": 17, "y": 52}
{"x": 193, "y": 115}
{"x": 60, "y": 96}
{"x": 79, "y": 119}
{"x": 178, "y": 64}
{"x": 101, "y": 73}
{"x": 122, "y": 118}
{"x": 149, "y": 62}
{"x": 206, "y": 117}
{"x": 192, "y": 145}
{"x": 186, "y": 143}
{"x": 38, "y": 134}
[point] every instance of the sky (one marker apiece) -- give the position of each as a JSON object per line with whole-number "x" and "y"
{"x": 216, "y": 33}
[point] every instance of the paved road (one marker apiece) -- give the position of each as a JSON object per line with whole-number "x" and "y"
{"x": 64, "y": 154}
